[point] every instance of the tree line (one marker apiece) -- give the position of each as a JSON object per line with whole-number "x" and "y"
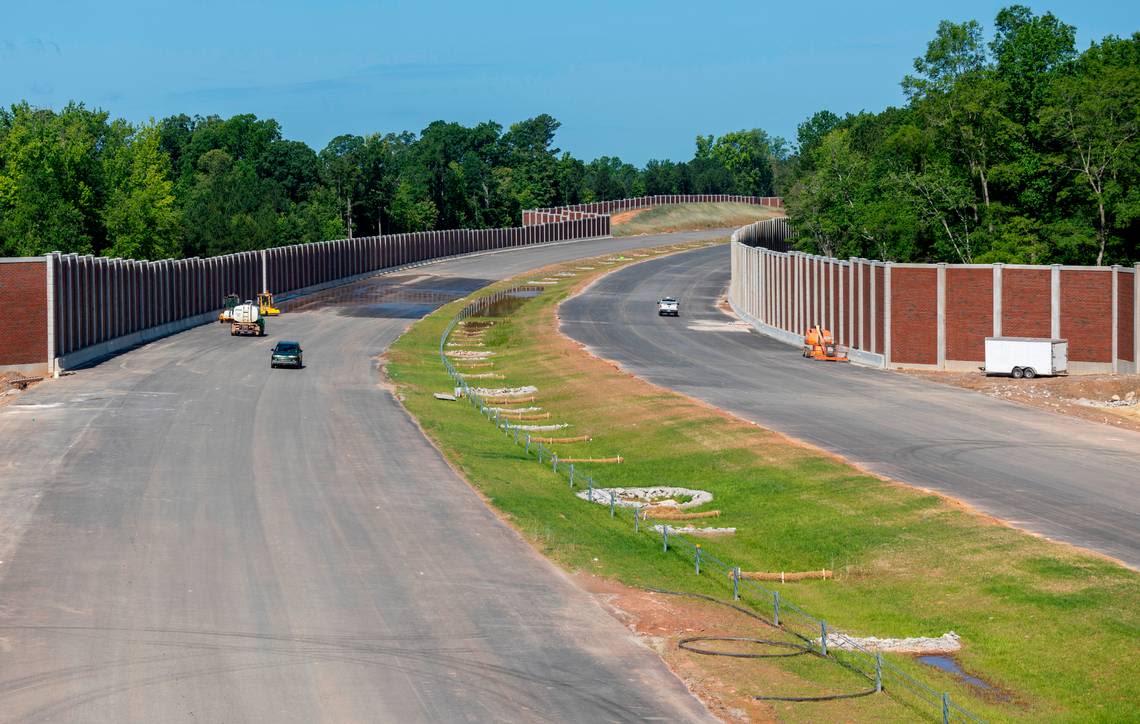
{"x": 75, "y": 180}
{"x": 1015, "y": 150}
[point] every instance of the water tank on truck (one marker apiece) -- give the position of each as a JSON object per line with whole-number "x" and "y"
{"x": 247, "y": 320}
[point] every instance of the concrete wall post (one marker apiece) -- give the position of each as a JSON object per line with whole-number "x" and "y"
{"x": 887, "y": 314}
{"x": 1055, "y": 302}
{"x": 851, "y": 303}
{"x": 942, "y": 316}
{"x": 997, "y": 299}
{"x": 51, "y": 292}
{"x": 1136, "y": 317}
{"x": 1115, "y": 319}
{"x": 862, "y": 321}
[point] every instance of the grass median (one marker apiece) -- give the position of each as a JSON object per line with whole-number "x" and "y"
{"x": 1054, "y": 631}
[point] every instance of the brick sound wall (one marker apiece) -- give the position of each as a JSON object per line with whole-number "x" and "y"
{"x": 1086, "y": 314}
{"x": 914, "y": 316}
{"x": 23, "y": 321}
{"x": 1025, "y": 302}
{"x": 1085, "y": 311}
{"x": 969, "y": 312}
{"x": 865, "y": 341}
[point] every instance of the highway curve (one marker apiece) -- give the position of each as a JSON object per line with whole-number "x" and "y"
{"x": 188, "y": 536}
{"x": 1064, "y": 478}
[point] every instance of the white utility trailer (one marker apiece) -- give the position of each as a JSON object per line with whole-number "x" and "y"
{"x": 1026, "y": 356}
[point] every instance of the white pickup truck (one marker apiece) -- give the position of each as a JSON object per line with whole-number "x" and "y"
{"x": 668, "y": 307}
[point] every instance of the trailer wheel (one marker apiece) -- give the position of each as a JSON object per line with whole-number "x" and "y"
{"x": 1029, "y": 373}
{"x": 1017, "y": 373}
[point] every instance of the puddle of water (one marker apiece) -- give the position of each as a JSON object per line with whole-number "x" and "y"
{"x": 400, "y": 296}
{"x": 950, "y": 666}
{"x": 509, "y": 305}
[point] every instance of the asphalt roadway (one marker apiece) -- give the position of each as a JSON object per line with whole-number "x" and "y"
{"x": 186, "y": 535}
{"x": 1060, "y": 477}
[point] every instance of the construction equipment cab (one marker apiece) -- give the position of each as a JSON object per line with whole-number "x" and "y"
{"x": 228, "y": 303}
{"x": 265, "y": 305}
{"x": 819, "y": 344}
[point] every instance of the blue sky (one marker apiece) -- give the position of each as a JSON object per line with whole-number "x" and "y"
{"x": 633, "y": 79}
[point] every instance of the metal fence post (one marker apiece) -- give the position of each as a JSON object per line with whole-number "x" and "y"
{"x": 554, "y": 461}
{"x": 590, "y": 493}
{"x": 776, "y": 607}
{"x": 516, "y": 435}
{"x": 665, "y": 537}
{"x": 823, "y": 637}
{"x": 528, "y": 444}
{"x": 698, "y": 559}
{"x": 613, "y": 503}
{"x": 878, "y": 671}
{"x": 945, "y": 708}
{"x": 571, "y": 475}
{"x": 637, "y": 519}
{"x": 736, "y": 583}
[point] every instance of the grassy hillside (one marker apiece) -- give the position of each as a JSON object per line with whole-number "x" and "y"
{"x": 683, "y": 217}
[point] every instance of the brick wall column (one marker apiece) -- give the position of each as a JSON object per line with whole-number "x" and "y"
{"x": 874, "y": 309}
{"x": 782, "y": 306}
{"x": 1136, "y": 316}
{"x": 941, "y": 316}
{"x": 862, "y": 320}
{"x": 795, "y": 291}
{"x": 1055, "y": 302}
{"x": 842, "y": 335}
{"x": 1115, "y": 319}
{"x": 997, "y": 300}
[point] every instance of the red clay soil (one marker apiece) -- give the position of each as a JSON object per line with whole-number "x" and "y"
{"x": 625, "y": 216}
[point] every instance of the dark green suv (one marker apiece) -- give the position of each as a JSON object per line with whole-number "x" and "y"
{"x": 286, "y": 354}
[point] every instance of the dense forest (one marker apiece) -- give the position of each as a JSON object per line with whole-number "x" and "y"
{"x": 75, "y": 180}
{"x": 1017, "y": 150}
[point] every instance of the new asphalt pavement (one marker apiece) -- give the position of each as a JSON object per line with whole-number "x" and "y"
{"x": 1060, "y": 477}
{"x": 187, "y": 535}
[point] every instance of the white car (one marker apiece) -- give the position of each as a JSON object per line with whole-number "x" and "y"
{"x": 668, "y": 307}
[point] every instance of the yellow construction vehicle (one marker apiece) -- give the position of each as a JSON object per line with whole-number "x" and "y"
{"x": 228, "y": 303}
{"x": 265, "y": 305}
{"x": 820, "y": 345}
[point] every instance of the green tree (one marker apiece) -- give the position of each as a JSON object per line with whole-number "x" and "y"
{"x": 141, "y": 217}
{"x": 52, "y": 187}
{"x": 1094, "y": 116}
{"x": 1028, "y": 48}
{"x": 747, "y": 156}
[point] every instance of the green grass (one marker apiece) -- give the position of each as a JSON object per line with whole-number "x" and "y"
{"x": 681, "y": 217}
{"x": 1056, "y": 630}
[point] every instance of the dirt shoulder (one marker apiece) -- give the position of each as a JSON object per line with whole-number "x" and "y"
{"x": 1107, "y": 399}
{"x": 9, "y": 391}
